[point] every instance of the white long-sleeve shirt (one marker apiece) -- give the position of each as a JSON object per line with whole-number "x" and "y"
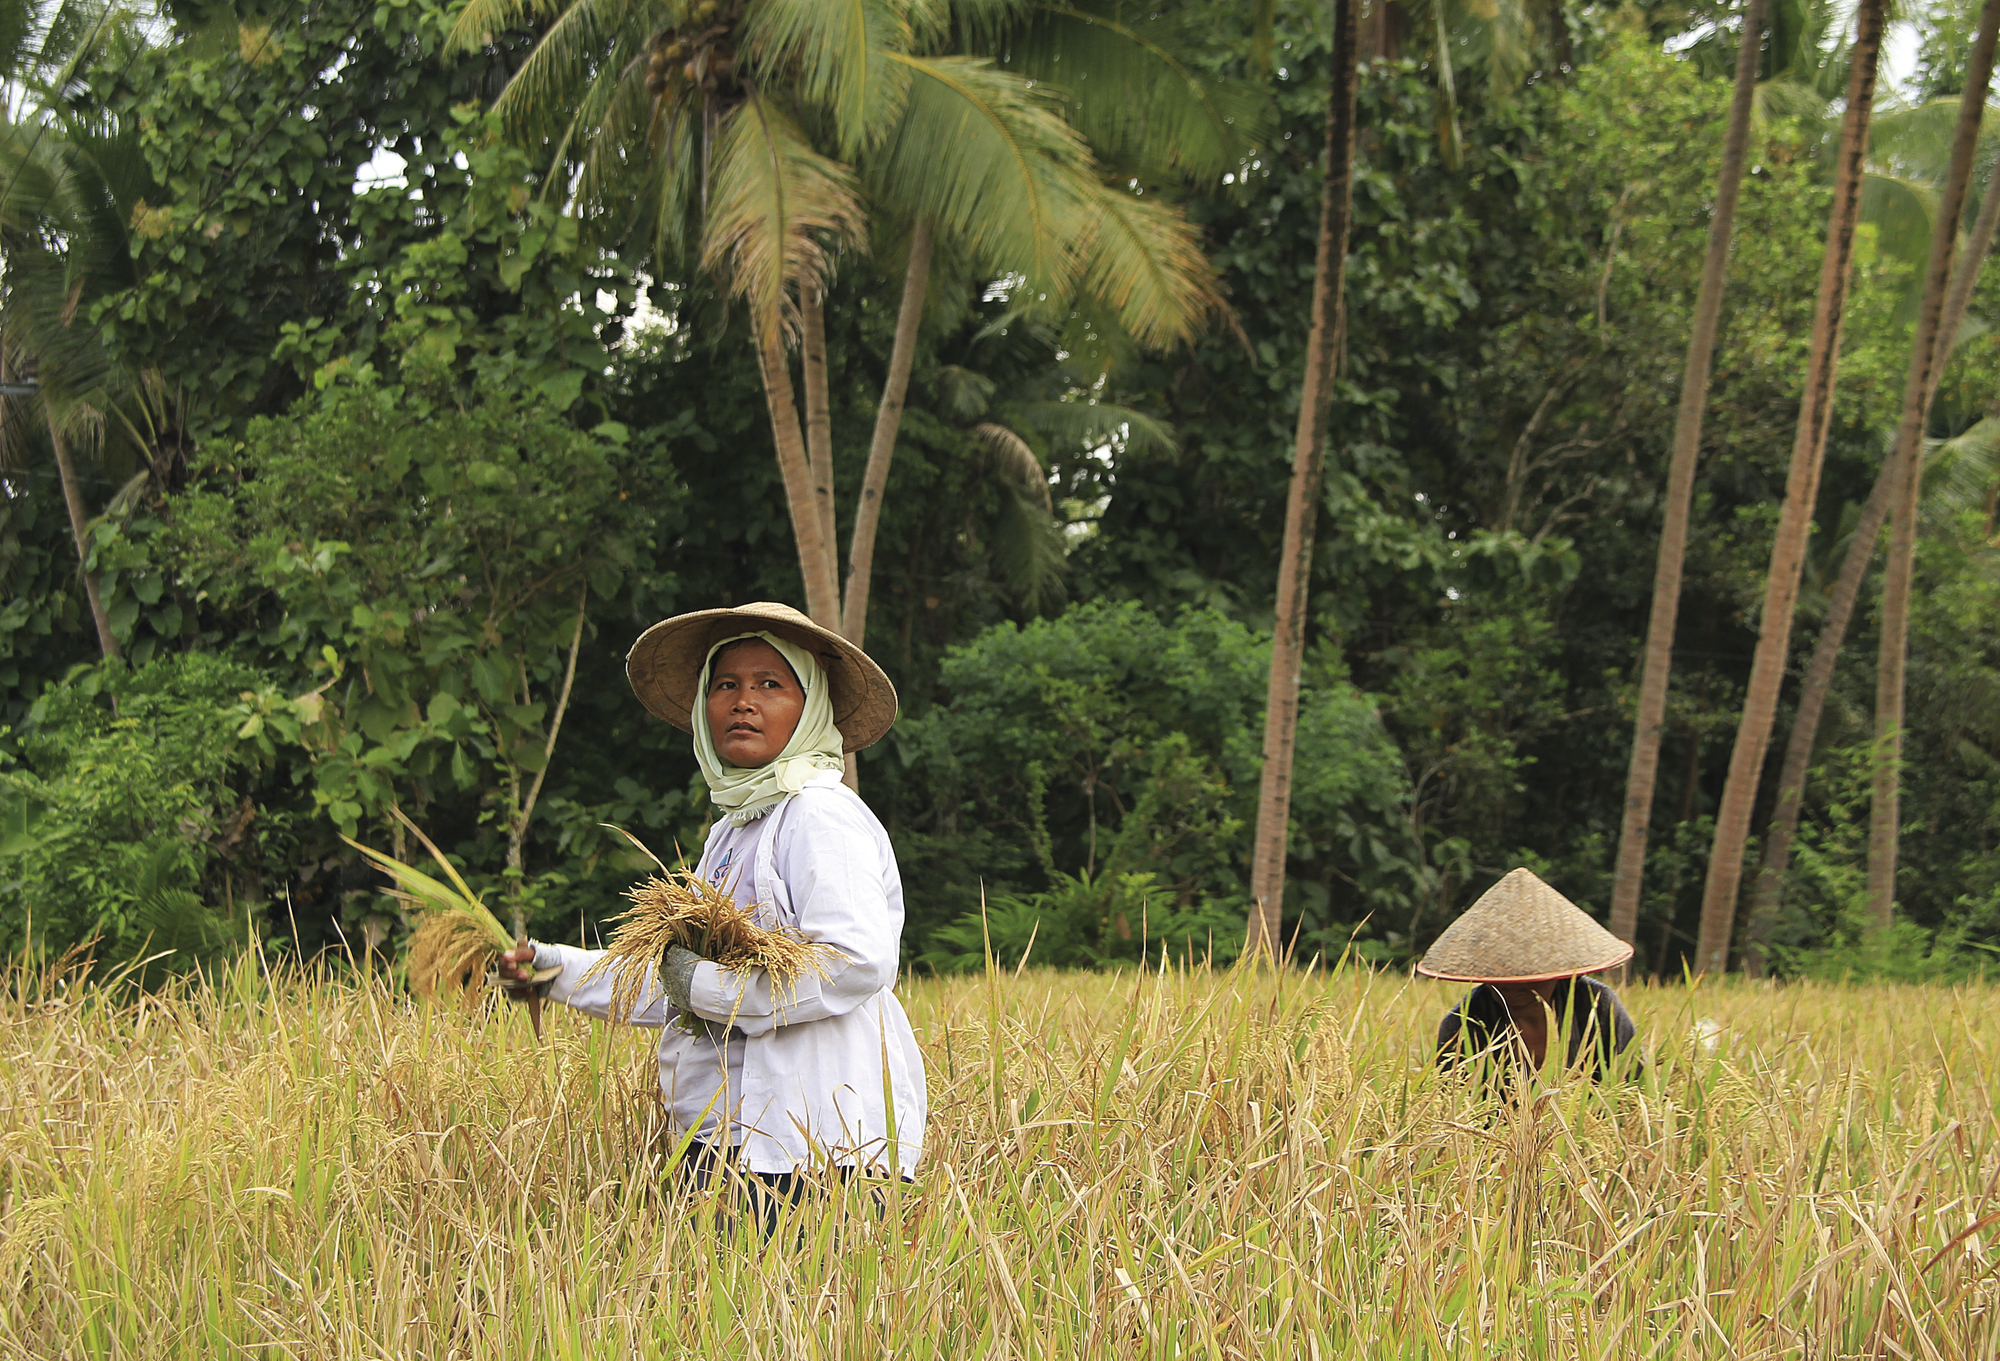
{"x": 829, "y": 1072}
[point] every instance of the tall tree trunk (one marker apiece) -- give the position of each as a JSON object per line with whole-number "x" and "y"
{"x": 1884, "y": 823}
{"x": 1560, "y": 57}
{"x": 1781, "y": 587}
{"x": 79, "y": 520}
{"x": 816, "y": 552}
{"x": 1274, "y": 798}
{"x": 819, "y": 418}
{"x": 1818, "y": 681}
{"x": 1647, "y": 729}
{"x": 882, "y": 447}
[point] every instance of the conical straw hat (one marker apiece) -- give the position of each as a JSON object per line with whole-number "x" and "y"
{"x": 664, "y": 666}
{"x": 1522, "y": 931}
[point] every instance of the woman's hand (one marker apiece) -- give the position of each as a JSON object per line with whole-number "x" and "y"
{"x": 677, "y": 977}
{"x": 517, "y": 967}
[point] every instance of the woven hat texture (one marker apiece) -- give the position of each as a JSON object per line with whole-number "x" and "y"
{"x": 1522, "y": 931}
{"x": 664, "y": 666}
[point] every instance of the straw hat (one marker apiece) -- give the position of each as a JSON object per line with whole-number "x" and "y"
{"x": 664, "y": 666}
{"x": 1522, "y": 931}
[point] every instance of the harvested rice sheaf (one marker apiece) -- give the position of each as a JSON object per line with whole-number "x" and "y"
{"x": 457, "y": 938}
{"x": 677, "y": 908}
{"x": 449, "y": 953}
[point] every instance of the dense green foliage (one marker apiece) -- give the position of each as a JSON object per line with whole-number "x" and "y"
{"x": 403, "y": 440}
{"x": 1118, "y": 755}
{"x": 128, "y": 790}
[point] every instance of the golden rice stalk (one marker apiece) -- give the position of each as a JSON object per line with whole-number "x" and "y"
{"x": 448, "y": 954}
{"x": 676, "y": 907}
{"x": 458, "y": 938}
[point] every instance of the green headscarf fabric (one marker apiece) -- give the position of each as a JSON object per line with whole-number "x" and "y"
{"x": 747, "y": 795}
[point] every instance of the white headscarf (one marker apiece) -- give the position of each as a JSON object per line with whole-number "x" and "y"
{"x": 748, "y": 794}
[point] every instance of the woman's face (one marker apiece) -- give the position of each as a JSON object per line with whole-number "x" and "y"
{"x": 754, "y": 703}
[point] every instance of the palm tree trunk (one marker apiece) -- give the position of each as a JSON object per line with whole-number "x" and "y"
{"x": 1784, "y": 826}
{"x": 1884, "y": 823}
{"x": 1840, "y": 612}
{"x": 1274, "y": 799}
{"x": 1560, "y": 57}
{"x": 816, "y": 561}
{"x": 882, "y": 448}
{"x": 1647, "y": 728}
{"x": 1781, "y": 587}
{"x": 79, "y": 519}
{"x": 819, "y": 419}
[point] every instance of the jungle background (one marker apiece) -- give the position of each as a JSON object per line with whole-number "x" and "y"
{"x": 375, "y": 435}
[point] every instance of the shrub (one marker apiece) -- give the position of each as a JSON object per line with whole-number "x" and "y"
{"x": 128, "y": 813}
{"x": 1119, "y": 755}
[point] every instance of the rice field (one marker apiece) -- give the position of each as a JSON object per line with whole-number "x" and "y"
{"x": 1188, "y": 1164}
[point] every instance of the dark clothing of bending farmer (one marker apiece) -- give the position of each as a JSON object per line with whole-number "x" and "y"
{"x": 1590, "y": 1014}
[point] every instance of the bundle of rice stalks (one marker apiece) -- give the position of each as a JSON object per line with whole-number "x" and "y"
{"x": 457, "y": 939}
{"x": 676, "y": 907}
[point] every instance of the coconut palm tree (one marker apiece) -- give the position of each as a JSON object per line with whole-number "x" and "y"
{"x": 1746, "y": 760}
{"x": 1818, "y": 680}
{"x": 1907, "y": 456}
{"x": 1659, "y": 652}
{"x": 1138, "y": 105}
{"x": 69, "y": 189}
{"x": 758, "y": 139}
{"x": 1323, "y": 346}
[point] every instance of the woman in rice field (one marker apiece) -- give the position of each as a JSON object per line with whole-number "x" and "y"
{"x": 777, "y": 1081}
{"x": 1528, "y": 948}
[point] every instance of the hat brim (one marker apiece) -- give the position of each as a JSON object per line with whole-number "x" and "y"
{"x": 665, "y": 666}
{"x": 1525, "y": 978}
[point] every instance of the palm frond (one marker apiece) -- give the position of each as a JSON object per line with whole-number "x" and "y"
{"x": 72, "y": 188}
{"x": 639, "y": 161}
{"x": 964, "y": 393}
{"x": 1495, "y": 38}
{"x": 1902, "y": 211}
{"x": 569, "y": 79}
{"x": 1783, "y": 100}
{"x": 668, "y": 209}
{"x": 1916, "y": 142}
{"x": 31, "y": 181}
{"x": 1019, "y": 335}
{"x": 1015, "y": 463}
{"x": 1027, "y": 550}
{"x": 777, "y": 205}
{"x": 1136, "y": 99}
{"x": 834, "y": 54}
{"x": 988, "y": 24}
{"x": 481, "y": 19}
{"x": 1960, "y": 473}
{"x": 1145, "y": 262}
{"x": 1091, "y": 425}
{"x": 990, "y": 163}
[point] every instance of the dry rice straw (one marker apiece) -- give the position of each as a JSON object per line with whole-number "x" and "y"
{"x": 676, "y": 907}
